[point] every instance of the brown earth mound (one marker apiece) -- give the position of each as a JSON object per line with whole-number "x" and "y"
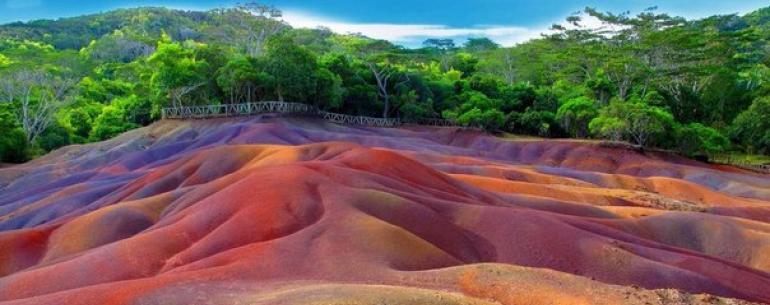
{"x": 289, "y": 211}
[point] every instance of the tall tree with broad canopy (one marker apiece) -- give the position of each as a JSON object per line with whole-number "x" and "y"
{"x": 293, "y": 68}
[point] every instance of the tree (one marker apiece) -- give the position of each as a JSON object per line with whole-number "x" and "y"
{"x": 534, "y": 122}
{"x": 329, "y": 91}
{"x": 466, "y": 63}
{"x": 642, "y": 123}
{"x": 135, "y": 109}
{"x": 502, "y": 64}
{"x": 606, "y": 127}
{"x": 294, "y": 69}
{"x": 755, "y": 76}
{"x": 602, "y": 88}
{"x": 243, "y": 79}
{"x": 477, "y": 110}
{"x": 358, "y": 95}
{"x": 382, "y": 74}
{"x": 177, "y": 73}
{"x": 4, "y": 61}
{"x": 111, "y": 122}
{"x": 480, "y": 44}
{"x": 698, "y": 140}
{"x": 117, "y": 47}
{"x": 443, "y": 46}
{"x": 440, "y": 44}
{"x": 576, "y": 114}
{"x": 80, "y": 122}
{"x": 261, "y": 22}
{"x": 378, "y": 57}
{"x": 13, "y": 140}
{"x": 38, "y": 96}
{"x": 101, "y": 90}
{"x": 54, "y": 136}
{"x": 751, "y": 128}
{"x": 650, "y": 78}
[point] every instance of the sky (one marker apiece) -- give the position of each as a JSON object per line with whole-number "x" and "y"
{"x": 406, "y": 22}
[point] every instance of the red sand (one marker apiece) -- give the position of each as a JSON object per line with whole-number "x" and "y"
{"x": 286, "y": 211}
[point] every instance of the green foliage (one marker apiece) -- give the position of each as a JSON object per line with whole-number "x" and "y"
{"x": 13, "y": 146}
{"x": 697, "y": 140}
{"x": 294, "y": 69}
{"x": 465, "y": 63}
{"x": 13, "y": 140}
{"x": 751, "y": 127}
{"x": 651, "y": 79}
{"x": 5, "y": 61}
{"x": 564, "y": 90}
{"x": 117, "y": 47}
{"x": 111, "y": 122}
{"x": 601, "y": 87}
{"x": 575, "y": 115}
{"x": 533, "y": 122}
{"x": 79, "y": 118}
{"x": 55, "y": 136}
{"x": 357, "y": 94}
{"x": 78, "y": 32}
{"x": 176, "y": 74}
{"x": 412, "y": 110}
{"x": 478, "y": 110}
{"x": 134, "y": 108}
{"x": 642, "y": 124}
{"x": 607, "y": 127}
{"x": 101, "y": 91}
{"x": 518, "y": 97}
{"x": 329, "y": 91}
{"x": 479, "y": 44}
{"x": 92, "y": 123}
{"x": 244, "y": 80}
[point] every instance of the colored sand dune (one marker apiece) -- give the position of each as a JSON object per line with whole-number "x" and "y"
{"x": 288, "y": 211}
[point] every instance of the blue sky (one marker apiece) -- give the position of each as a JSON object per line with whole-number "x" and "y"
{"x": 405, "y": 21}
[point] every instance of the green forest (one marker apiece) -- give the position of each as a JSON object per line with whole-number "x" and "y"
{"x": 698, "y": 87}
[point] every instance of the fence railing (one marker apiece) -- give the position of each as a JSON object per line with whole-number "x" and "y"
{"x": 228, "y": 110}
{"x": 246, "y": 109}
{"x": 729, "y": 160}
{"x": 761, "y": 168}
{"x": 433, "y": 122}
{"x": 345, "y": 119}
{"x": 765, "y": 169}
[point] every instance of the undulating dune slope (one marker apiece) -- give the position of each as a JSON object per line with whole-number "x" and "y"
{"x": 272, "y": 210}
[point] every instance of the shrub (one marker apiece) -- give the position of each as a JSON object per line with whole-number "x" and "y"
{"x": 53, "y": 137}
{"x": 697, "y": 140}
{"x": 576, "y": 114}
{"x": 751, "y": 128}
{"x": 111, "y": 122}
{"x": 13, "y": 146}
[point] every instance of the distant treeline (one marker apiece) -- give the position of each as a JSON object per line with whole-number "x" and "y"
{"x": 697, "y": 86}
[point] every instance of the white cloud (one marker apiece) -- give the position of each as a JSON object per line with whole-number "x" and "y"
{"x": 15, "y": 4}
{"x": 412, "y": 35}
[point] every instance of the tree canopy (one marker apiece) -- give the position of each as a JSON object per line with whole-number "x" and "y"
{"x": 697, "y": 86}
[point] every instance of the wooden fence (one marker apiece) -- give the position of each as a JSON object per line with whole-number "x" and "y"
{"x": 728, "y": 159}
{"x": 229, "y": 110}
{"x": 246, "y": 109}
{"x": 760, "y": 168}
{"x": 345, "y": 119}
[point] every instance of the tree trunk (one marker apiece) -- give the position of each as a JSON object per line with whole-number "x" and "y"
{"x": 386, "y": 108}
